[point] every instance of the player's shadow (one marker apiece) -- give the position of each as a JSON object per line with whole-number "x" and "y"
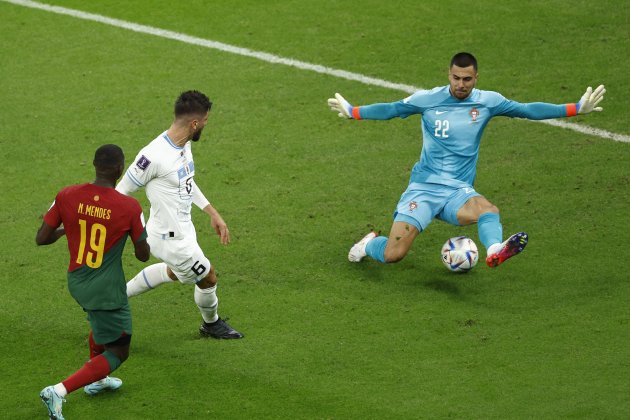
{"x": 377, "y": 273}
{"x": 443, "y": 286}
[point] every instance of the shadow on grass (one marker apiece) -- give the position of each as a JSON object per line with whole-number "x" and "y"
{"x": 444, "y": 286}
{"x": 370, "y": 271}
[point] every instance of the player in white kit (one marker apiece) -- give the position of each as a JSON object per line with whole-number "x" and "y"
{"x": 166, "y": 169}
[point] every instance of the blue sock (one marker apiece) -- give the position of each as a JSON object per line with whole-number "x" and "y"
{"x": 376, "y": 248}
{"x": 490, "y": 229}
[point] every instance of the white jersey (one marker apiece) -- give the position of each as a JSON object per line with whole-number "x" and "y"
{"x": 166, "y": 171}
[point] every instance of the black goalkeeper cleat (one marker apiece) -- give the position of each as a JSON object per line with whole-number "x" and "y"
{"x": 219, "y": 329}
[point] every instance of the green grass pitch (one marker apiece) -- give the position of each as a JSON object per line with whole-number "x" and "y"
{"x": 544, "y": 336}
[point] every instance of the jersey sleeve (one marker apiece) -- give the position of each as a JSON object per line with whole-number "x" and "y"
{"x": 198, "y": 198}
{"x": 140, "y": 172}
{"x": 411, "y": 105}
{"x": 384, "y": 111}
{"x": 531, "y": 110}
{"x": 53, "y": 216}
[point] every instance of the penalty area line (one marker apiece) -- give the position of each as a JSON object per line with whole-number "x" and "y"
{"x": 275, "y": 59}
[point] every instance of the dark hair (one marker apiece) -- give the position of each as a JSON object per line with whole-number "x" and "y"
{"x": 108, "y": 156}
{"x": 464, "y": 59}
{"x": 192, "y": 102}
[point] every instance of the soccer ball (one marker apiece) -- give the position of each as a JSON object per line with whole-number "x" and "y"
{"x": 460, "y": 254}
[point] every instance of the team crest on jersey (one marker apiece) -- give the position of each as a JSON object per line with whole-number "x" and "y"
{"x": 143, "y": 163}
{"x": 474, "y": 113}
{"x": 413, "y": 205}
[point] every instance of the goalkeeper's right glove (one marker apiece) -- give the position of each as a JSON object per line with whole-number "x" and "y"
{"x": 341, "y": 106}
{"x": 590, "y": 99}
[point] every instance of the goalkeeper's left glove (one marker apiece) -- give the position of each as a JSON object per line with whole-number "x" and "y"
{"x": 590, "y": 100}
{"x": 341, "y": 106}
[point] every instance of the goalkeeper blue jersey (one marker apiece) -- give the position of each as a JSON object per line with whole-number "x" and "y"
{"x": 452, "y": 128}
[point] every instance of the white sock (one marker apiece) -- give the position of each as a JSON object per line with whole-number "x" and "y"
{"x": 60, "y": 390}
{"x": 494, "y": 248}
{"x": 208, "y": 303}
{"x": 149, "y": 278}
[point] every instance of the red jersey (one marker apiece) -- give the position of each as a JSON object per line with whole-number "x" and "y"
{"x": 97, "y": 221}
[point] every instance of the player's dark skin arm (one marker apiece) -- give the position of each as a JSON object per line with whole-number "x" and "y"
{"x": 47, "y": 235}
{"x": 142, "y": 250}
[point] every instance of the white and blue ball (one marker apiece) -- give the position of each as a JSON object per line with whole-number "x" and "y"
{"x": 460, "y": 254}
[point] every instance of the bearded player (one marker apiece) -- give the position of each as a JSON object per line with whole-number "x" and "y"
{"x": 441, "y": 183}
{"x": 165, "y": 168}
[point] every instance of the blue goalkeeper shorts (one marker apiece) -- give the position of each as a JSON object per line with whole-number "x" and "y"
{"x": 423, "y": 202}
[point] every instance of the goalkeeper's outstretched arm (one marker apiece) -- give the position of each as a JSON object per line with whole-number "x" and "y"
{"x": 380, "y": 111}
{"x": 542, "y": 110}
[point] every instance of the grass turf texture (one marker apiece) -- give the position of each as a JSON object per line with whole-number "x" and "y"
{"x": 544, "y": 336}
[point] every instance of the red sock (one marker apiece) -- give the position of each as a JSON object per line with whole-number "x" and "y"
{"x": 95, "y": 349}
{"x": 93, "y": 370}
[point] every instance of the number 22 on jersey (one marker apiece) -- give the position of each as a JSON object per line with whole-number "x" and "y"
{"x": 96, "y": 239}
{"x": 441, "y": 129}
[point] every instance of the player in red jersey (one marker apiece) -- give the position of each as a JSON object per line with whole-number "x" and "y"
{"x": 96, "y": 220}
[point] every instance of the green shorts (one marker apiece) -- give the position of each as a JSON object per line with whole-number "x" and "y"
{"x": 109, "y": 326}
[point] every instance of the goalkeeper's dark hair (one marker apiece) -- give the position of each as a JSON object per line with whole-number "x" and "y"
{"x": 108, "y": 156}
{"x": 192, "y": 102}
{"x": 464, "y": 59}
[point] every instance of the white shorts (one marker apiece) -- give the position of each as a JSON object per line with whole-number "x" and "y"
{"x": 183, "y": 256}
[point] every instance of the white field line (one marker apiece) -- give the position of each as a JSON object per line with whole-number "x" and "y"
{"x": 271, "y": 58}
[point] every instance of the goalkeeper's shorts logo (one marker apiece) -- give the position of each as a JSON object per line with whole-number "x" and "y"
{"x": 413, "y": 205}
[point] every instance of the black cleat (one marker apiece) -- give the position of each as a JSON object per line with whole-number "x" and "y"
{"x": 219, "y": 329}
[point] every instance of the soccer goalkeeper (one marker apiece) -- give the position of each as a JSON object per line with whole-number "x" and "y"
{"x": 441, "y": 182}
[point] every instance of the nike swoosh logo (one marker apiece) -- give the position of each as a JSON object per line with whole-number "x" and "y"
{"x": 440, "y": 112}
